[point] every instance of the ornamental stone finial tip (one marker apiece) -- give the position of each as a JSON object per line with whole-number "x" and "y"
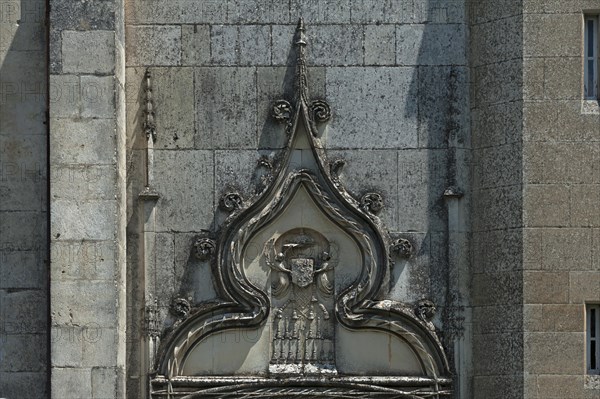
{"x": 301, "y": 41}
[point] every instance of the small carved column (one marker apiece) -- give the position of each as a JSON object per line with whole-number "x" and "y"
{"x": 148, "y": 199}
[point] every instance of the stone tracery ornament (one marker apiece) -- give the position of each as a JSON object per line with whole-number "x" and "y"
{"x": 282, "y": 111}
{"x": 204, "y": 248}
{"x": 231, "y": 201}
{"x": 372, "y": 202}
{"x": 305, "y": 266}
{"x": 149, "y": 122}
{"x": 402, "y": 247}
{"x": 180, "y": 307}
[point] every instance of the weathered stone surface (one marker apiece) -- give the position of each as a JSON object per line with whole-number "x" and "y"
{"x": 496, "y": 353}
{"x": 499, "y": 386}
{"x": 583, "y": 287}
{"x": 257, "y": 11}
{"x": 97, "y": 97}
{"x": 496, "y": 83}
{"x": 21, "y": 316}
{"x": 421, "y": 183}
{"x": 379, "y": 108}
{"x": 274, "y": 83}
{"x": 498, "y": 208}
{"x": 73, "y": 181}
{"x": 496, "y": 41}
{"x": 83, "y": 16}
{"x": 64, "y": 96}
{"x": 185, "y": 204}
{"x": 373, "y": 171}
{"x": 442, "y": 112}
{"x": 561, "y": 162}
{"x": 190, "y": 273}
{"x": 493, "y": 257}
{"x": 88, "y": 52}
{"x": 73, "y": 220}
{"x": 496, "y": 124}
{"x": 560, "y": 81}
{"x": 328, "y": 45}
{"x": 584, "y": 213}
{"x": 104, "y": 381}
{"x": 554, "y": 353}
{"x": 26, "y": 384}
{"x": 22, "y": 173}
{"x": 545, "y": 287}
{"x": 497, "y": 288}
{"x": 321, "y": 12}
{"x": 71, "y": 382}
{"x": 75, "y": 260}
{"x": 430, "y": 45}
{"x": 195, "y": 44}
{"x": 23, "y": 269}
{"x": 153, "y": 45}
{"x": 533, "y": 78}
{"x": 497, "y": 166}
{"x": 82, "y": 142}
{"x": 561, "y": 249}
{"x": 564, "y": 123}
{"x": 18, "y": 356}
{"x": 559, "y": 386}
{"x": 176, "y": 11}
{"x": 173, "y": 93}
{"x": 28, "y": 236}
{"x": 546, "y": 205}
{"x": 162, "y": 267}
{"x": 23, "y": 92}
{"x": 380, "y": 45}
{"x": 241, "y": 45}
{"x": 88, "y": 304}
{"x": 225, "y": 108}
{"x": 551, "y": 35}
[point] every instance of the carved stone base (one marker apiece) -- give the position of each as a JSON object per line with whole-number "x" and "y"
{"x": 277, "y": 370}
{"x": 306, "y": 388}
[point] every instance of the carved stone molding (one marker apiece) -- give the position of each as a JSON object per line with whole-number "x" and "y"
{"x": 402, "y": 247}
{"x": 372, "y": 203}
{"x": 320, "y": 110}
{"x": 282, "y": 111}
{"x": 425, "y": 310}
{"x": 149, "y": 122}
{"x": 180, "y": 307}
{"x": 204, "y": 248}
{"x": 231, "y": 201}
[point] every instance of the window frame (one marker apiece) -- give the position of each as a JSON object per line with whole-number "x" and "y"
{"x": 587, "y": 57}
{"x": 592, "y": 322}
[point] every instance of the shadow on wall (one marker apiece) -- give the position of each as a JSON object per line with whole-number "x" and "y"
{"x": 24, "y": 316}
{"x": 434, "y": 48}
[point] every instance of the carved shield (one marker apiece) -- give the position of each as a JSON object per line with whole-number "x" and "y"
{"x": 303, "y": 270}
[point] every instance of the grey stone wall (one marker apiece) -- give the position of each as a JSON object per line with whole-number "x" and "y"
{"x": 87, "y": 201}
{"x": 396, "y": 76}
{"x": 496, "y": 42}
{"x": 24, "y": 332}
{"x": 560, "y": 196}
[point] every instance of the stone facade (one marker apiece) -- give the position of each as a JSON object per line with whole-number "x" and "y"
{"x": 466, "y": 116}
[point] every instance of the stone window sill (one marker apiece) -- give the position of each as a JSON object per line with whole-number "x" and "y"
{"x": 590, "y": 107}
{"x": 592, "y": 382}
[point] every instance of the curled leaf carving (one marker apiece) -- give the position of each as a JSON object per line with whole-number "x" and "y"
{"x": 321, "y": 110}
{"x": 372, "y": 202}
{"x": 204, "y": 248}
{"x": 282, "y": 111}
{"x": 231, "y": 201}
{"x": 402, "y": 247}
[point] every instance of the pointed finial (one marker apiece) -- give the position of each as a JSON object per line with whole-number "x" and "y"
{"x": 301, "y": 41}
